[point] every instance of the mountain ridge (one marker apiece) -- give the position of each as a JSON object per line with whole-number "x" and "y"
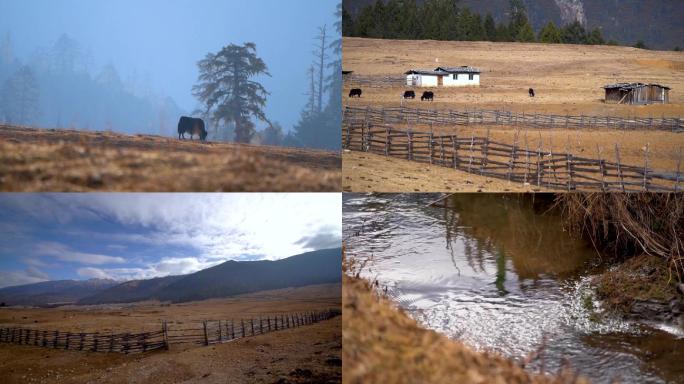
{"x": 229, "y": 278}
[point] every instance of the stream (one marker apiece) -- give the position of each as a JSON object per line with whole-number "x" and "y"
{"x": 499, "y": 273}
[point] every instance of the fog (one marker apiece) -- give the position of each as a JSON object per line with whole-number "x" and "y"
{"x": 130, "y": 66}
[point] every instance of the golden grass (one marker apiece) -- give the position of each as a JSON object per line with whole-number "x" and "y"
{"x": 368, "y": 172}
{"x": 628, "y": 225}
{"x": 306, "y": 354}
{"x": 567, "y": 79}
{"x": 78, "y": 161}
{"x": 381, "y": 344}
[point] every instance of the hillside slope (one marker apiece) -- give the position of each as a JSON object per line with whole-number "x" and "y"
{"x": 53, "y": 292}
{"x": 237, "y": 277}
{"x": 78, "y": 161}
{"x": 657, "y": 23}
{"x": 229, "y": 279}
{"x": 131, "y": 291}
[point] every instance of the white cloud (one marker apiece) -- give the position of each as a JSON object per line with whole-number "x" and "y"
{"x": 36, "y": 273}
{"x": 194, "y": 231}
{"x": 93, "y": 273}
{"x": 64, "y": 253}
{"x": 165, "y": 267}
{"x": 11, "y": 278}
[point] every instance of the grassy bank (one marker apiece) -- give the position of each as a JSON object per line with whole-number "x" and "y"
{"x": 383, "y": 344}
{"x": 641, "y": 235}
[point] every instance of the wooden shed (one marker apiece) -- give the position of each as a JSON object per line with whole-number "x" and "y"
{"x": 637, "y": 93}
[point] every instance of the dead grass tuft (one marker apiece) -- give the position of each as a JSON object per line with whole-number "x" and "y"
{"x": 627, "y": 225}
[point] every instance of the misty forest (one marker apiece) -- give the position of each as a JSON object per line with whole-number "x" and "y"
{"x": 57, "y": 87}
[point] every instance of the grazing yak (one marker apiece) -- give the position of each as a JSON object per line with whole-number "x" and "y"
{"x": 531, "y": 92}
{"x": 355, "y": 92}
{"x": 427, "y": 95}
{"x": 192, "y": 126}
{"x": 409, "y": 95}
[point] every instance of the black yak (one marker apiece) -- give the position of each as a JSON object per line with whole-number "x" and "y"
{"x": 427, "y": 95}
{"x": 409, "y": 95}
{"x": 193, "y": 126}
{"x": 531, "y": 92}
{"x": 355, "y": 92}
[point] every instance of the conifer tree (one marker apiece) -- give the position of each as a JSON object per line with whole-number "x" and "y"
{"x": 228, "y": 90}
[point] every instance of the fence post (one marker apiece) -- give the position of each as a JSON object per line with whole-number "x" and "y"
{"x": 646, "y": 168}
{"x": 242, "y": 323}
{"x": 80, "y": 345}
{"x": 44, "y": 338}
{"x": 619, "y": 169}
{"x": 96, "y": 340}
{"x": 56, "y": 340}
{"x": 251, "y": 323}
{"x": 268, "y": 320}
{"x": 261, "y": 325}
{"x": 166, "y": 335}
{"x": 66, "y": 345}
{"x": 111, "y": 342}
{"x": 126, "y": 343}
{"x": 232, "y": 328}
{"x": 679, "y": 164}
{"x": 601, "y": 168}
{"x": 206, "y": 336}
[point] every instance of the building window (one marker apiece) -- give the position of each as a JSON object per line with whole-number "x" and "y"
{"x": 471, "y": 76}
{"x": 455, "y": 76}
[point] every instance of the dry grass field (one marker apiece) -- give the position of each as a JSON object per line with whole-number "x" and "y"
{"x": 299, "y": 355}
{"x": 368, "y": 172}
{"x": 81, "y": 161}
{"x": 567, "y": 79}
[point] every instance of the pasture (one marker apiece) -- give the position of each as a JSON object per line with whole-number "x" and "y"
{"x": 293, "y": 353}
{"x": 568, "y": 84}
{"x": 34, "y": 160}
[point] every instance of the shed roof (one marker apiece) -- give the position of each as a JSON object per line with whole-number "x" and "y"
{"x": 443, "y": 70}
{"x": 630, "y": 86}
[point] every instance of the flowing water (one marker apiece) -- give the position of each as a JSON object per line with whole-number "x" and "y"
{"x": 498, "y": 272}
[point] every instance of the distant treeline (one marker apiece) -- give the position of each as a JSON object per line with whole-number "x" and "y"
{"x": 58, "y": 87}
{"x": 445, "y": 20}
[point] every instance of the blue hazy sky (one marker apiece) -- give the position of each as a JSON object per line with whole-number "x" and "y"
{"x": 132, "y": 236}
{"x": 165, "y": 38}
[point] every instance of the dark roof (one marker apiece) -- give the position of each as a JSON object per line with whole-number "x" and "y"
{"x": 443, "y": 71}
{"x": 629, "y": 86}
{"x": 462, "y": 69}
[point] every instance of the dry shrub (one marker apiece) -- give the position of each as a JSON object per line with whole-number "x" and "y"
{"x": 629, "y": 224}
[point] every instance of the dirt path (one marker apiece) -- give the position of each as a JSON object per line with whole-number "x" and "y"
{"x": 64, "y": 160}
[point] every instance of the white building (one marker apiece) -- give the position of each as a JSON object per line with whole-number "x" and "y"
{"x": 443, "y": 77}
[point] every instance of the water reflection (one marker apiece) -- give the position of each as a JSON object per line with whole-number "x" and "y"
{"x": 496, "y": 271}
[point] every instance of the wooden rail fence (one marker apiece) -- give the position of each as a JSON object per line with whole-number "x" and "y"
{"x": 81, "y": 341}
{"x": 421, "y": 116}
{"x": 374, "y": 81}
{"x": 210, "y": 332}
{"x": 486, "y": 157}
{"x": 220, "y": 331}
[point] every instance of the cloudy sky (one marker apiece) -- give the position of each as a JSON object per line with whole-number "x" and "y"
{"x": 134, "y": 236}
